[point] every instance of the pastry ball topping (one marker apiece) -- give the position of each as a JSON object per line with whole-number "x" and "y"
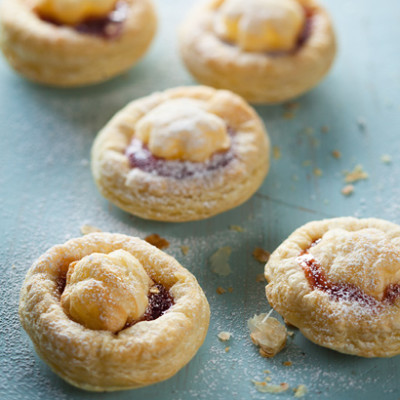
{"x": 106, "y": 291}
{"x": 182, "y": 129}
{"x": 364, "y": 262}
{"x": 261, "y": 25}
{"x": 72, "y": 12}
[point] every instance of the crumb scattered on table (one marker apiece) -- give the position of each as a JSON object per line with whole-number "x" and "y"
{"x": 300, "y": 391}
{"x": 287, "y": 363}
{"x": 227, "y": 349}
{"x": 325, "y": 129}
{"x": 157, "y": 241}
{"x": 86, "y": 229}
{"x": 154, "y": 290}
{"x": 220, "y": 290}
{"x": 265, "y": 387}
{"x": 336, "y": 154}
{"x": 386, "y": 159}
{"x": 261, "y": 255}
{"x": 224, "y": 336}
{"x": 276, "y": 151}
{"x": 307, "y": 163}
{"x": 236, "y": 228}
{"x": 348, "y": 190}
{"x": 230, "y": 289}
{"x": 184, "y": 250}
{"x": 260, "y": 278}
{"x": 356, "y": 175}
{"x": 220, "y": 261}
{"x": 267, "y": 333}
{"x": 317, "y": 172}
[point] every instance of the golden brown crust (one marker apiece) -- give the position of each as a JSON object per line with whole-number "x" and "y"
{"x": 145, "y": 353}
{"x": 361, "y": 258}
{"x": 258, "y": 77}
{"x": 61, "y": 56}
{"x": 166, "y": 198}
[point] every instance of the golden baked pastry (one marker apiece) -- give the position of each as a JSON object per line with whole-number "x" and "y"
{"x": 184, "y": 154}
{"x": 267, "y": 51}
{"x": 338, "y": 281}
{"x": 73, "y": 43}
{"x": 110, "y": 312}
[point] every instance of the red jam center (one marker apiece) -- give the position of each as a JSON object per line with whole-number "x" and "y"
{"x": 140, "y": 156}
{"x": 108, "y": 27}
{"x": 342, "y": 291}
{"x": 159, "y": 303}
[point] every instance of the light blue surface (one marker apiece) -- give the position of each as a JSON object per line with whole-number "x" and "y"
{"x": 47, "y": 194}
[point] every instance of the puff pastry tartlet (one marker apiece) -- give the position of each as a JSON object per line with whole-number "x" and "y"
{"x": 110, "y": 312}
{"x": 72, "y": 43}
{"x": 184, "y": 154}
{"x": 338, "y": 281}
{"x": 267, "y": 51}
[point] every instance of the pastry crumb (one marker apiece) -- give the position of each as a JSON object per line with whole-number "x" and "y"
{"x": 227, "y": 349}
{"x": 224, "y": 336}
{"x": 260, "y": 278}
{"x": 386, "y": 159}
{"x": 220, "y": 290}
{"x": 13, "y": 266}
{"x": 154, "y": 290}
{"x": 357, "y": 174}
{"x": 237, "y": 228}
{"x": 265, "y": 387}
{"x": 300, "y": 391}
{"x": 261, "y": 255}
{"x": 287, "y": 363}
{"x": 157, "y": 241}
{"x": 348, "y": 190}
{"x": 290, "y": 333}
{"x": 220, "y": 261}
{"x": 267, "y": 333}
{"x": 307, "y": 163}
{"x": 230, "y": 289}
{"x": 276, "y": 152}
{"x": 184, "y": 250}
{"x": 317, "y": 172}
{"x": 308, "y": 130}
{"x": 267, "y": 371}
{"x": 336, "y": 154}
{"x": 325, "y": 129}
{"x": 86, "y": 229}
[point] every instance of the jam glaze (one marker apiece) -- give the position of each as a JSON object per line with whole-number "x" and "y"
{"x": 140, "y": 157}
{"x": 342, "y": 291}
{"x": 107, "y": 27}
{"x": 160, "y": 301}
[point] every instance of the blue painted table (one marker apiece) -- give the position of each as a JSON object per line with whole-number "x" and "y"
{"x": 47, "y": 194}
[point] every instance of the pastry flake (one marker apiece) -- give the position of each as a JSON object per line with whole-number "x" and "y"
{"x": 109, "y": 312}
{"x": 267, "y": 51}
{"x": 338, "y": 281}
{"x": 185, "y": 154}
{"x": 267, "y": 333}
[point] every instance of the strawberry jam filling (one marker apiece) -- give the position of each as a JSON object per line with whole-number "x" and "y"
{"x": 140, "y": 156}
{"x": 108, "y": 27}
{"x": 342, "y": 291}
